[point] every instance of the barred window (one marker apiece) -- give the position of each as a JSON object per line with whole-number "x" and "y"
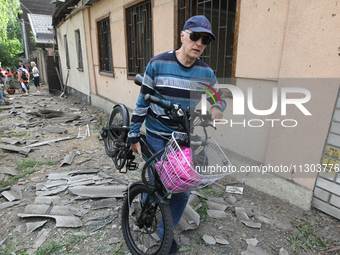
{"x": 104, "y": 42}
{"x": 222, "y": 16}
{"x": 79, "y": 51}
{"x": 66, "y": 52}
{"x": 139, "y": 37}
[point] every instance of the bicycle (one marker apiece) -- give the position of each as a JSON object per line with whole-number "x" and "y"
{"x": 168, "y": 171}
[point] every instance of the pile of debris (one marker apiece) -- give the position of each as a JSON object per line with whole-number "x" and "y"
{"x": 41, "y": 118}
{"x": 91, "y": 190}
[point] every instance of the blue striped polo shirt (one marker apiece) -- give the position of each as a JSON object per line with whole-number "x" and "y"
{"x": 166, "y": 78}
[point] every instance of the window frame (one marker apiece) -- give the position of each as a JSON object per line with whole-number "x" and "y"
{"x": 110, "y": 70}
{"x": 67, "y": 55}
{"x": 79, "y": 50}
{"x": 145, "y": 55}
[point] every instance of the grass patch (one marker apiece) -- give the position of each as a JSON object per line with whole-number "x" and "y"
{"x": 296, "y": 242}
{"x": 96, "y": 128}
{"x": 311, "y": 240}
{"x": 24, "y": 165}
{"x": 31, "y": 163}
{"x": 182, "y": 249}
{"x": 13, "y": 179}
{"x": 202, "y": 211}
{"x": 117, "y": 250}
{"x": 209, "y": 191}
{"x": 60, "y": 246}
{"x": 13, "y": 249}
{"x": 51, "y": 248}
{"x": 198, "y": 239}
{"x": 20, "y": 134}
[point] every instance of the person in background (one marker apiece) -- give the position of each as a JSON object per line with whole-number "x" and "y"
{"x": 2, "y": 99}
{"x": 9, "y": 74}
{"x": 3, "y": 77}
{"x": 36, "y": 77}
{"x": 14, "y": 74}
{"x": 23, "y": 78}
{"x": 18, "y": 71}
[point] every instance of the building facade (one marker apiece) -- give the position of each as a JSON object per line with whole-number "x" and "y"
{"x": 282, "y": 57}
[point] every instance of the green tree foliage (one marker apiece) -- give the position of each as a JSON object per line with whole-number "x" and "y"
{"x": 8, "y": 52}
{"x": 10, "y": 33}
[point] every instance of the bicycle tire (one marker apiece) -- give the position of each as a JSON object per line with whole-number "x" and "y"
{"x": 140, "y": 231}
{"x": 119, "y": 116}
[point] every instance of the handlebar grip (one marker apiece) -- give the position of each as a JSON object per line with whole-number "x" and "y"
{"x": 206, "y": 116}
{"x": 162, "y": 103}
{"x": 138, "y": 79}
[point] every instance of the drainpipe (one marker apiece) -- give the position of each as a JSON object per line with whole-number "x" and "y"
{"x": 23, "y": 29}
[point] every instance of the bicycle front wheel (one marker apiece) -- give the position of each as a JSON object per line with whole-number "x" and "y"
{"x": 142, "y": 221}
{"x": 119, "y": 117}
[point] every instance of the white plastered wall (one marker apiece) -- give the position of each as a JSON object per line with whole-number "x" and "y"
{"x": 77, "y": 79}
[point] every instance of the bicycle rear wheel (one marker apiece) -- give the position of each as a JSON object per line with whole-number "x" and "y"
{"x": 119, "y": 117}
{"x": 140, "y": 226}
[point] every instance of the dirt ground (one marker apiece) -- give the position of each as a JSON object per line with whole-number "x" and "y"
{"x": 285, "y": 229}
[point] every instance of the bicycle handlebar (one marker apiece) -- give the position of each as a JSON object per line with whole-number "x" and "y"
{"x": 175, "y": 112}
{"x": 138, "y": 79}
{"x": 167, "y": 105}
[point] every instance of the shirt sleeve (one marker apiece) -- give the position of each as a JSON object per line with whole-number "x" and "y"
{"x": 142, "y": 107}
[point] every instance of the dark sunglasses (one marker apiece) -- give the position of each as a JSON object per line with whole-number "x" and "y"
{"x": 195, "y": 36}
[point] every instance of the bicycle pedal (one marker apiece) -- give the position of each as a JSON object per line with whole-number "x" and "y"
{"x": 132, "y": 166}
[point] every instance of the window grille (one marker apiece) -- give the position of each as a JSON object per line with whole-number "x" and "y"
{"x": 104, "y": 42}
{"x": 79, "y": 51}
{"x": 66, "y": 52}
{"x": 139, "y": 37}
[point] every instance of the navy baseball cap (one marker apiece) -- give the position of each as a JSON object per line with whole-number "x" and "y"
{"x": 199, "y": 24}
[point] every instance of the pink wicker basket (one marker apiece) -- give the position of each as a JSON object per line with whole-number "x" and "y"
{"x": 183, "y": 169}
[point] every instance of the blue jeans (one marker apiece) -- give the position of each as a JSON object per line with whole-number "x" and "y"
{"x": 178, "y": 201}
{"x": 1, "y": 96}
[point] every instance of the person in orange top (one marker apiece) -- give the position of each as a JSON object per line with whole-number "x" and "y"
{"x": 23, "y": 78}
{"x": 9, "y": 75}
{"x": 18, "y": 72}
{"x": 9, "y": 72}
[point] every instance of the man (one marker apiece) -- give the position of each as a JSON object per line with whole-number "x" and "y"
{"x": 23, "y": 78}
{"x": 170, "y": 76}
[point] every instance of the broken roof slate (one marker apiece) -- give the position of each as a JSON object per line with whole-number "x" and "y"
{"x": 61, "y": 221}
{"x": 99, "y": 191}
